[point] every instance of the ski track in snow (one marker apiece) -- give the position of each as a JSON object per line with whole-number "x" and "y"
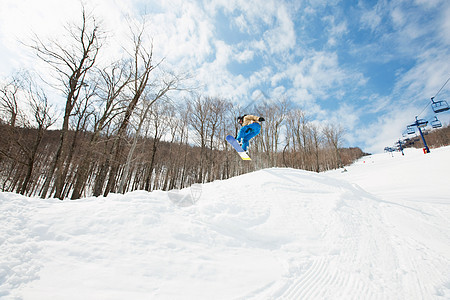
{"x": 345, "y": 254}
{"x": 271, "y": 234}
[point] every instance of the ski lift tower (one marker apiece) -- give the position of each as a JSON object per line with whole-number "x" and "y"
{"x": 421, "y": 123}
{"x": 400, "y": 146}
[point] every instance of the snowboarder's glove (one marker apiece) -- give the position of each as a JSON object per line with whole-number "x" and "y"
{"x": 261, "y": 119}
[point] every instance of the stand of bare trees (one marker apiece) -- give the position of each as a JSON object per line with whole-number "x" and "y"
{"x": 123, "y": 127}
{"x": 172, "y": 147}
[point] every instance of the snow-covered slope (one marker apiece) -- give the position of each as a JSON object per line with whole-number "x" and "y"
{"x": 381, "y": 230}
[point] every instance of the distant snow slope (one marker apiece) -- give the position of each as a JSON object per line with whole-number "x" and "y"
{"x": 379, "y": 231}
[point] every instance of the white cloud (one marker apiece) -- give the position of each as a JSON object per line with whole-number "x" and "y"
{"x": 278, "y": 92}
{"x": 398, "y": 17}
{"x": 242, "y": 24}
{"x": 223, "y": 54}
{"x": 184, "y": 35}
{"x": 277, "y": 77}
{"x": 302, "y": 67}
{"x": 245, "y": 56}
{"x": 371, "y": 19}
{"x": 252, "y": 14}
{"x": 320, "y": 72}
{"x": 445, "y": 26}
{"x": 424, "y": 79}
{"x": 429, "y": 3}
{"x": 346, "y": 116}
{"x": 20, "y": 21}
{"x": 386, "y": 130}
{"x": 335, "y": 30}
{"x": 282, "y": 37}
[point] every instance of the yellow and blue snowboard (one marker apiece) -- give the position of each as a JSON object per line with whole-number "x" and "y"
{"x": 230, "y": 139}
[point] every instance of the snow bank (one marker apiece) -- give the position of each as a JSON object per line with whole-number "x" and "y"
{"x": 379, "y": 231}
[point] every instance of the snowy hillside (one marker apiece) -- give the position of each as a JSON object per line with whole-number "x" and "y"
{"x": 381, "y": 230}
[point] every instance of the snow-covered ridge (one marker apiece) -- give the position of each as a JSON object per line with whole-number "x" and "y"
{"x": 381, "y": 230}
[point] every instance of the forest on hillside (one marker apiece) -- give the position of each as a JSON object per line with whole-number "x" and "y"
{"x": 172, "y": 149}
{"x": 130, "y": 124}
{"x": 436, "y": 138}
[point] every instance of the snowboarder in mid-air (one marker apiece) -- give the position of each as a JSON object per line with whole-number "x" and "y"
{"x": 251, "y": 127}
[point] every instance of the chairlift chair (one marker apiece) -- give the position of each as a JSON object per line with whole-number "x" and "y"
{"x": 436, "y": 123}
{"x": 421, "y": 122}
{"x": 439, "y": 106}
{"x": 410, "y": 129}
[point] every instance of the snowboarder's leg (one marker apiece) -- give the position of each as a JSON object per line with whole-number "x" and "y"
{"x": 241, "y": 133}
{"x": 244, "y": 144}
{"x": 252, "y": 131}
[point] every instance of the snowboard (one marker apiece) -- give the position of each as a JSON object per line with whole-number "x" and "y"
{"x": 230, "y": 139}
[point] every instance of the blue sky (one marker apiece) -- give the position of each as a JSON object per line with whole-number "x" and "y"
{"x": 370, "y": 66}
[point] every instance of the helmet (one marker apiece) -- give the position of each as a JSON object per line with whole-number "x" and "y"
{"x": 240, "y": 119}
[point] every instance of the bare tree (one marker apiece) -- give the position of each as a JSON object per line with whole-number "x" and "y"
{"x": 44, "y": 117}
{"x": 11, "y": 93}
{"x": 111, "y": 84}
{"x": 83, "y": 111}
{"x": 24, "y": 137}
{"x": 157, "y": 128}
{"x": 275, "y": 114}
{"x": 9, "y": 99}
{"x": 200, "y": 109}
{"x": 316, "y": 139}
{"x": 9, "y": 108}
{"x": 143, "y": 65}
{"x": 214, "y": 121}
{"x": 149, "y": 101}
{"x": 182, "y": 135}
{"x": 72, "y": 63}
{"x": 297, "y": 127}
{"x": 334, "y": 135}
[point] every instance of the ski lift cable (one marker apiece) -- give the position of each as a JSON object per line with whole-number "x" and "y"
{"x": 421, "y": 122}
{"x": 252, "y": 102}
{"x": 435, "y": 123}
{"x": 423, "y": 109}
{"x": 434, "y": 96}
{"x": 441, "y": 88}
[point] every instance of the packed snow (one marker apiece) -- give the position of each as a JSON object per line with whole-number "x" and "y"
{"x": 380, "y": 229}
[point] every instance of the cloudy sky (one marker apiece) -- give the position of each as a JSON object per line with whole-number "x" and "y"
{"x": 370, "y": 66}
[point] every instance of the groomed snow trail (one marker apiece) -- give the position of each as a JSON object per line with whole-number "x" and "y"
{"x": 414, "y": 195}
{"x": 338, "y": 249}
{"x": 271, "y": 234}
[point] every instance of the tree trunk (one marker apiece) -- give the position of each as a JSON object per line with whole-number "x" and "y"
{"x": 56, "y": 163}
{"x": 32, "y": 160}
